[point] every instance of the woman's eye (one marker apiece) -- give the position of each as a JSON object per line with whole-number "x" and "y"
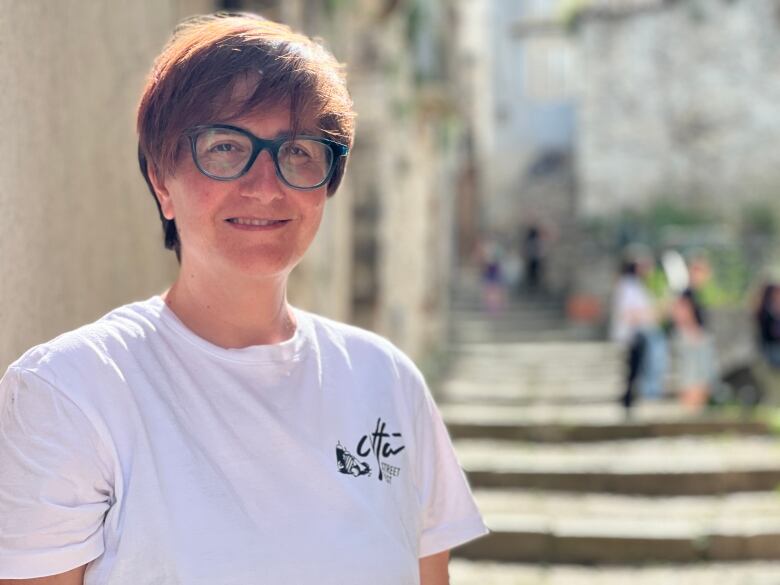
{"x": 223, "y": 147}
{"x": 297, "y": 151}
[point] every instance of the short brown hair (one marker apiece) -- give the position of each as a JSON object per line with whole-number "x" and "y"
{"x": 192, "y": 80}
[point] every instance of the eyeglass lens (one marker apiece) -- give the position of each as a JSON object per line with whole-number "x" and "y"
{"x": 223, "y": 153}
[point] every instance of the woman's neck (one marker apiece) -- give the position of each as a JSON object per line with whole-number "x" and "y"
{"x": 230, "y": 316}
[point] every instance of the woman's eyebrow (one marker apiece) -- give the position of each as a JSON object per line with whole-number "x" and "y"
{"x": 300, "y": 132}
{"x": 284, "y": 133}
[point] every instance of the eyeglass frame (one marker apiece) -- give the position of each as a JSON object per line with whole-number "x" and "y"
{"x": 261, "y": 144}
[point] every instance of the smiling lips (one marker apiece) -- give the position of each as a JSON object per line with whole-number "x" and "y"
{"x": 252, "y": 223}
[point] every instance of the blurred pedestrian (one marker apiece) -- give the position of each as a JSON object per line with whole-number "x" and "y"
{"x": 634, "y": 325}
{"x": 767, "y": 367}
{"x": 493, "y": 286}
{"x": 533, "y": 255}
{"x": 512, "y": 272}
{"x": 768, "y": 325}
{"x": 699, "y": 274}
{"x": 694, "y": 352}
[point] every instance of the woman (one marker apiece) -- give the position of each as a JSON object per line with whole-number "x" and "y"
{"x": 694, "y": 350}
{"x": 768, "y": 324}
{"x": 214, "y": 434}
{"x": 633, "y": 326}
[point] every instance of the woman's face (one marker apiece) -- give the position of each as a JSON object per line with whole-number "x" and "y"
{"x": 212, "y": 216}
{"x": 682, "y": 312}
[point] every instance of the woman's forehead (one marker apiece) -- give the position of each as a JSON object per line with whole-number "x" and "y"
{"x": 271, "y": 122}
{"x": 241, "y": 106}
{"x": 243, "y": 87}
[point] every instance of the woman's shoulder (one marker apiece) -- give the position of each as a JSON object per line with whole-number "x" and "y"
{"x": 359, "y": 345}
{"x": 93, "y": 343}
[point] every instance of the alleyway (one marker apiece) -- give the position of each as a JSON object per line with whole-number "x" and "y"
{"x": 573, "y": 492}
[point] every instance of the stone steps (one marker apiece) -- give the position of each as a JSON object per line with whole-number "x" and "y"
{"x": 575, "y": 369}
{"x": 566, "y": 481}
{"x": 471, "y": 308}
{"x": 536, "y": 379}
{"x": 516, "y": 320}
{"x": 530, "y": 321}
{"x": 551, "y": 352}
{"x": 521, "y": 317}
{"x": 575, "y": 528}
{"x": 659, "y": 411}
{"x": 540, "y": 334}
{"x": 653, "y": 467}
{"x": 555, "y": 372}
{"x": 559, "y": 433}
{"x": 561, "y": 393}
{"x": 463, "y": 572}
{"x": 589, "y": 422}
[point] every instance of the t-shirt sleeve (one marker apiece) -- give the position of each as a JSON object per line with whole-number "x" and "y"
{"x": 450, "y": 515}
{"x": 55, "y": 480}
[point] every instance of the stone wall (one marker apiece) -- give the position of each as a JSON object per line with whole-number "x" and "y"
{"x": 80, "y": 232}
{"x": 679, "y": 100}
{"x": 402, "y": 175}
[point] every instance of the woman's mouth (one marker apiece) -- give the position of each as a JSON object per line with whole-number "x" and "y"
{"x": 255, "y": 224}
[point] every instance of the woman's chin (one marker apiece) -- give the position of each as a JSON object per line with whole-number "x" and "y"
{"x": 260, "y": 267}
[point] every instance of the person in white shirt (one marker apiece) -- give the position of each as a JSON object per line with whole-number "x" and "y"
{"x": 214, "y": 434}
{"x": 633, "y": 325}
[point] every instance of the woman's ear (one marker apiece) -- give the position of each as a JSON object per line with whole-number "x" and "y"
{"x": 161, "y": 192}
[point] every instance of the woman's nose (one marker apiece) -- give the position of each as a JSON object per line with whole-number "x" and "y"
{"x": 261, "y": 181}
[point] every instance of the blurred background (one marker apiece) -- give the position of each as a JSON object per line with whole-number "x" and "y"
{"x": 565, "y": 210}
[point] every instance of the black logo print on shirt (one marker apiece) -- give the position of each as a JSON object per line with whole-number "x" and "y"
{"x": 379, "y": 442}
{"x": 349, "y": 464}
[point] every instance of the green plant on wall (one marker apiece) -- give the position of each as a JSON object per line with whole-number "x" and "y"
{"x": 731, "y": 278}
{"x": 649, "y": 225}
{"x": 759, "y": 219}
{"x": 666, "y": 212}
{"x": 668, "y": 224}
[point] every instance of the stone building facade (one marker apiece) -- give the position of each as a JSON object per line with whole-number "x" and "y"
{"x": 517, "y": 95}
{"x": 679, "y": 100}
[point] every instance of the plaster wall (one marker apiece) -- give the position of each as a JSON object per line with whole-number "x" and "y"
{"x": 80, "y": 232}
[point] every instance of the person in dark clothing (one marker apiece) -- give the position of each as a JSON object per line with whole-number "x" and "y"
{"x": 768, "y": 324}
{"x": 699, "y": 312}
{"x": 699, "y": 274}
{"x": 534, "y": 259}
{"x": 636, "y": 352}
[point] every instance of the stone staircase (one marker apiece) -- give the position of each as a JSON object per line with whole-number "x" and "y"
{"x": 575, "y": 493}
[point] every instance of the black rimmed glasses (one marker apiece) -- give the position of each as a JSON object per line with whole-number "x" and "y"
{"x": 225, "y": 152}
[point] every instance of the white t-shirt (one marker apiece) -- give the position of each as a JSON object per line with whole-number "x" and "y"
{"x": 632, "y": 309}
{"x": 164, "y": 459}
